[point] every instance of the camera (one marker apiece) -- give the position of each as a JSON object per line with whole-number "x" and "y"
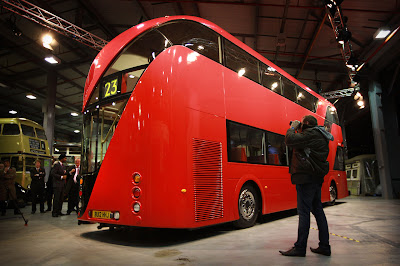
{"x": 290, "y": 123}
{"x": 298, "y": 127}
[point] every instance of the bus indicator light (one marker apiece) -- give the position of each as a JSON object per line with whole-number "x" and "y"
{"x": 136, "y": 178}
{"x": 183, "y": 190}
{"x": 136, "y": 192}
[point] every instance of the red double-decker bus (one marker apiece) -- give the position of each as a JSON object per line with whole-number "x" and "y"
{"x": 184, "y": 127}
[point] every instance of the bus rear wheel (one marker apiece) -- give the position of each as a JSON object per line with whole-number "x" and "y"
{"x": 332, "y": 194}
{"x": 248, "y": 207}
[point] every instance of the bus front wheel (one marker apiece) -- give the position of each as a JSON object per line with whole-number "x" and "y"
{"x": 248, "y": 207}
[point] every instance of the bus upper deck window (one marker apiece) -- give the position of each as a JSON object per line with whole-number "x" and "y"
{"x": 28, "y": 131}
{"x": 241, "y": 62}
{"x": 11, "y": 129}
{"x": 271, "y": 79}
{"x": 194, "y": 36}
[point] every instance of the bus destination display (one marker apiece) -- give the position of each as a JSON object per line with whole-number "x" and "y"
{"x": 111, "y": 86}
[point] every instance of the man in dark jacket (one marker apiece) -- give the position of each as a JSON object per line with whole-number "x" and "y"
{"x": 37, "y": 186}
{"x": 308, "y": 167}
{"x": 59, "y": 174}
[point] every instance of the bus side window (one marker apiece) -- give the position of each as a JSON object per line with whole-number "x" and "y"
{"x": 241, "y": 62}
{"x": 1, "y": 129}
{"x": 276, "y": 149}
{"x": 245, "y": 144}
{"x": 306, "y": 99}
{"x": 28, "y": 131}
{"x": 271, "y": 79}
{"x": 331, "y": 115}
{"x": 339, "y": 159}
{"x": 289, "y": 90}
{"x": 11, "y": 129}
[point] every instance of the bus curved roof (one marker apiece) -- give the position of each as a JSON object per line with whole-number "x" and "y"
{"x": 17, "y": 120}
{"x": 105, "y": 57}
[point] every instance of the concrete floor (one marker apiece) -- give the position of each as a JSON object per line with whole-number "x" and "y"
{"x": 364, "y": 231}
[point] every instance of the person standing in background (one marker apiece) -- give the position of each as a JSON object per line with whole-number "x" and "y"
{"x": 37, "y": 186}
{"x": 73, "y": 187}
{"x": 7, "y": 187}
{"x": 59, "y": 174}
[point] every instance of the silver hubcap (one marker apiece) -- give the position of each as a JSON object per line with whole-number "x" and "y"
{"x": 247, "y": 204}
{"x": 332, "y": 192}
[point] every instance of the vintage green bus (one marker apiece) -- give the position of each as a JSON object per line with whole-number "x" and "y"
{"x": 22, "y": 141}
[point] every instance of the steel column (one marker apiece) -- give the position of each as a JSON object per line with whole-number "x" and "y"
{"x": 50, "y": 114}
{"x": 378, "y": 129}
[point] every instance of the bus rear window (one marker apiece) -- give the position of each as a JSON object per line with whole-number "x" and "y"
{"x": 28, "y": 131}
{"x": 40, "y": 133}
{"x": 11, "y": 129}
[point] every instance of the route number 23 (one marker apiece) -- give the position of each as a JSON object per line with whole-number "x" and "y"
{"x": 111, "y": 88}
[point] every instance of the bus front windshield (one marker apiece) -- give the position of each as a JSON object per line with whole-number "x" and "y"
{"x": 99, "y": 125}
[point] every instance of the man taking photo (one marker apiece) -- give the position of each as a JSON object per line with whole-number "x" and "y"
{"x": 308, "y": 167}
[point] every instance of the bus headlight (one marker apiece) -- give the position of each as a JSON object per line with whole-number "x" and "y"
{"x": 80, "y": 205}
{"x": 136, "y": 207}
{"x": 116, "y": 215}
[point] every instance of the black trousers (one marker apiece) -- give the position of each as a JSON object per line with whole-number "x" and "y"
{"x": 49, "y": 194}
{"x": 58, "y": 199}
{"x": 37, "y": 196}
{"x": 73, "y": 197}
{"x": 309, "y": 200}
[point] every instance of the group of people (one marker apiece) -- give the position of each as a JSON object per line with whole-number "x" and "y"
{"x": 63, "y": 182}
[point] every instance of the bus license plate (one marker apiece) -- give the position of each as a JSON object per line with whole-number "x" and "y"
{"x": 101, "y": 214}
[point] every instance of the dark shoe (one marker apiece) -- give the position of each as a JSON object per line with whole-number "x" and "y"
{"x": 48, "y": 210}
{"x": 32, "y": 212}
{"x": 68, "y": 212}
{"x": 54, "y": 215}
{"x": 42, "y": 211}
{"x": 61, "y": 214}
{"x": 293, "y": 252}
{"x": 319, "y": 250}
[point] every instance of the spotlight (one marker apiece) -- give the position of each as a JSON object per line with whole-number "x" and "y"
{"x": 343, "y": 36}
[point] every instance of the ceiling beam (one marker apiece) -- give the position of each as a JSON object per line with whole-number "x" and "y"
{"x": 311, "y": 44}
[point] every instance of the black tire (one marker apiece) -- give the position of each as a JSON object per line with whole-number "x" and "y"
{"x": 248, "y": 207}
{"x": 332, "y": 194}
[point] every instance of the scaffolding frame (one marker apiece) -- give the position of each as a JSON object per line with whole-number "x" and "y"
{"x": 53, "y": 22}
